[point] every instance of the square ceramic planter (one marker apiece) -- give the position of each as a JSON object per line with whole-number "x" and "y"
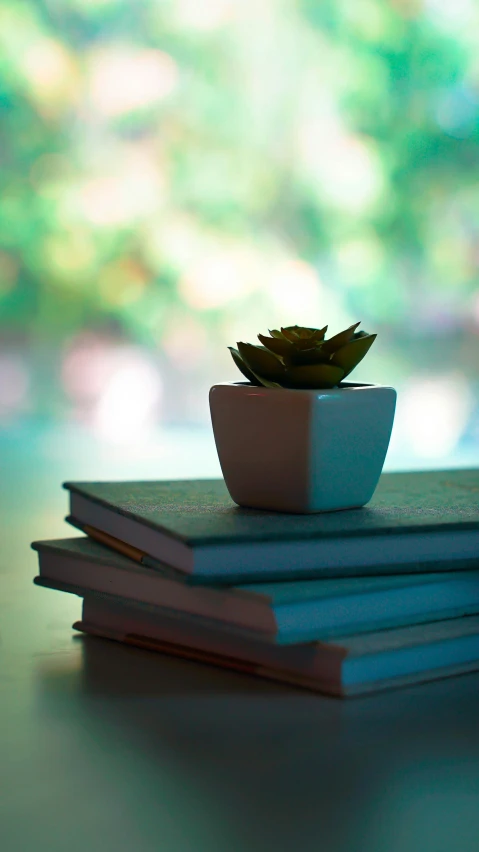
{"x": 302, "y": 450}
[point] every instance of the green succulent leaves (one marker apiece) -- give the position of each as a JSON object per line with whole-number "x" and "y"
{"x": 298, "y": 357}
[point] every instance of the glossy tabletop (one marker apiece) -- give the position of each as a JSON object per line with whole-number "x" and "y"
{"x": 104, "y": 747}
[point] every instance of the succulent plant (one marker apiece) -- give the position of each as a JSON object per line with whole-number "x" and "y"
{"x": 298, "y": 357}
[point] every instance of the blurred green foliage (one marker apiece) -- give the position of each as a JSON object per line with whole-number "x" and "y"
{"x": 174, "y": 163}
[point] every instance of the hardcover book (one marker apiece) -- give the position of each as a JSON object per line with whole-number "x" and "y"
{"x": 415, "y": 521}
{"x": 283, "y": 612}
{"x": 344, "y": 666}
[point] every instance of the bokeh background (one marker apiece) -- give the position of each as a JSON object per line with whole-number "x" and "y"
{"x": 177, "y": 175}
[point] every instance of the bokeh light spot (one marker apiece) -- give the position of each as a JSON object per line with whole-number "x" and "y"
{"x": 218, "y": 277}
{"x": 14, "y": 385}
{"x": 124, "y": 79}
{"x": 432, "y": 414}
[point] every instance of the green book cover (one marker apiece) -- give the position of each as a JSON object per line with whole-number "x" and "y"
{"x": 200, "y": 512}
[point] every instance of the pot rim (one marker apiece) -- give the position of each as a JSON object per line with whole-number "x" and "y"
{"x": 343, "y": 386}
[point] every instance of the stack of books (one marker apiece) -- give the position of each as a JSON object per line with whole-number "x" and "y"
{"x": 343, "y": 602}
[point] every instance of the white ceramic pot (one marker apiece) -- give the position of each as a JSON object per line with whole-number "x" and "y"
{"x": 302, "y": 450}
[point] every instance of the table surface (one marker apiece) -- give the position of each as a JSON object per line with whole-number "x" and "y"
{"x": 104, "y": 747}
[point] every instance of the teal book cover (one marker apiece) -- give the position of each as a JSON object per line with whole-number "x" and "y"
{"x": 201, "y": 511}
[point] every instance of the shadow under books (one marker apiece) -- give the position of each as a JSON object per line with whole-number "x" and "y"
{"x": 167, "y": 716}
{"x": 122, "y": 676}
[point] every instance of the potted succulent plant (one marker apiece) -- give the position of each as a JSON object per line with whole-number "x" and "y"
{"x": 294, "y": 437}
